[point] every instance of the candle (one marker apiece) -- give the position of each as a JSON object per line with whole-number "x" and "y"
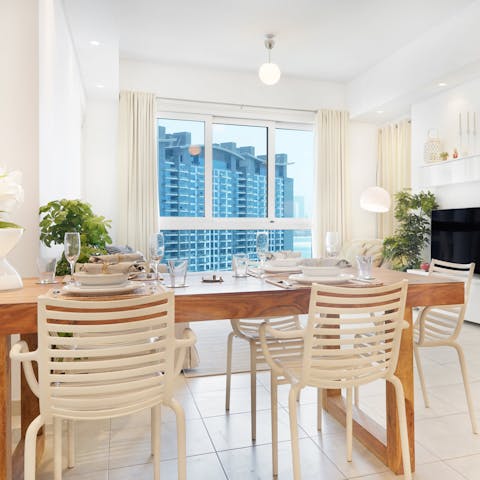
{"x": 460, "y": 123}
{"x": 468, "y": 123}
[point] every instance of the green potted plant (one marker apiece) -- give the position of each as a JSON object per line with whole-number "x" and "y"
{"x": 412, "y": 212}
{"x": 61, "y": 216}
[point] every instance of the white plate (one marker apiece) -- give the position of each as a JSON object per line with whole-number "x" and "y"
{"x": 102, "y": 290}
{"x": 100, "y": 279}
{"x": 301, "y": 278}
{"x": 273, "y": 269}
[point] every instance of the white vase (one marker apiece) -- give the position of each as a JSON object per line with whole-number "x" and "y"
{"x": 9, "y": 278}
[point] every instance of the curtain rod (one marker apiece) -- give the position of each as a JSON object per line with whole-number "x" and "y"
{"x": 241, "y": 105}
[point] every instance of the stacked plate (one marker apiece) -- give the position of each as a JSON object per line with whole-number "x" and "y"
{"x": 320, "y": 271}
{"x": 280, "y": 265}
{"x": 101, "y": 284}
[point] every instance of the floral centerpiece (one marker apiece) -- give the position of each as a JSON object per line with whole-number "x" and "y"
{"x": 11, "y": 196}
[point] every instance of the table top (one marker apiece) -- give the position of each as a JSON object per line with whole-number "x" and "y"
{"x": 247, "y": 297}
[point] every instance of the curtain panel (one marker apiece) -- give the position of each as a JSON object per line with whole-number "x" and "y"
{"x": 139, "y": 212}
{"x": 331, "y": 210}
{"x": 393, "y": 173}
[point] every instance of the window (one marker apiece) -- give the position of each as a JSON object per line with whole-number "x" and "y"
{"x": 222, "y": 180}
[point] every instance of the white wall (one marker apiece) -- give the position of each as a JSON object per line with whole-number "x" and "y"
{"x": 362, "y": 173}
{"x": 441, "y": 112}
{"x": 61, "y": 107}
{"x": 19, "y": 117}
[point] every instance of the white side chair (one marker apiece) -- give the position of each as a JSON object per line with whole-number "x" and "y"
{"x": 439, "y": 326}
{"x": 104, "y": 359}
{"x": 334, "y": 357}
{"x": 248, "y": 330}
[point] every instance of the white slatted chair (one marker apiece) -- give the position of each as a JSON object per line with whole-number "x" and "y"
{"x": 104, "y": 359}
{"x": 333, "y": 359}
{"x": 247, "y": 329}
{"x": 439, "y": 326}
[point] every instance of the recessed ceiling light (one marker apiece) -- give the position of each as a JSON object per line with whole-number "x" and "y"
{"x": 99, "y": 85}
{"x": 441, "y": 84}
{"x": 94, "y": 43}
{"x": 380, "y": 112}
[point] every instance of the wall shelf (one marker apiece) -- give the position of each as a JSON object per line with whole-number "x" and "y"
{"x": 449, "y": 172}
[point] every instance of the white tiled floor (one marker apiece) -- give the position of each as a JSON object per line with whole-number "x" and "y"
{"x": 219, "y": 446}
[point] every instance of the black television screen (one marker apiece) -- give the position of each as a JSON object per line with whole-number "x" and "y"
{"x": 456, "y": 235}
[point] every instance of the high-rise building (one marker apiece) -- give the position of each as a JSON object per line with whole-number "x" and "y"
{"x": 239, "y": 190}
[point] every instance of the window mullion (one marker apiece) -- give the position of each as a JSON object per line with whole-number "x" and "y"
{"x": 208, "y": 169}
{"x": 271, "y": 171}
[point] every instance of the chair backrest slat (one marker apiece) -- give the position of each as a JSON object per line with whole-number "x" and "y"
{"x": 352, "y": 335}
{"x": 105, "y": 358}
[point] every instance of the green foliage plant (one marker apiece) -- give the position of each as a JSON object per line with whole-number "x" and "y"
{"x": 412, "y": 234}
{"x": 61, "y": 216}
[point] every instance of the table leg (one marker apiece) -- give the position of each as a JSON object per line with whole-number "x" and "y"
{"x": 5, "y": 410}
{"x": 405, "y": 373}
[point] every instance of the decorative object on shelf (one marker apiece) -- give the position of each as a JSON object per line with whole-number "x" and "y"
{"x": 269, "y": 72}
{"x": 455, "y": 153}
{"x": 424, "y": 266}
{"x": 467, "y": 137}
{"x": 444, "y": 156}
{"x": 432, "y": 148}
{"x": 62, "y": 216}
{"x": 11, "y": 196}
{"x": 412, "y": 211}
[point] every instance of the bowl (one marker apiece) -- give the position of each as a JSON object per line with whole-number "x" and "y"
{"x": 320, "y": 271}
{"x": 97, "y": 279}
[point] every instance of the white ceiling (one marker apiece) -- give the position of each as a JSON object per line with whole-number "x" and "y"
{"x": 318, "y": 39}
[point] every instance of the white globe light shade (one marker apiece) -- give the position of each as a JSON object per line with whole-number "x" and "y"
{"x": 375, "y": 199}
{"x": 269, "y": 73}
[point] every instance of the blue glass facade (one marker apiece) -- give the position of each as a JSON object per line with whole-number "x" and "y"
{"x": 239, "y": 190}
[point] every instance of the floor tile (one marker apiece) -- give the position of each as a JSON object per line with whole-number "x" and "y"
{"x": 233, "y": 431}
{"x": 469, "y": 466}
{"x": 255, "y": 463}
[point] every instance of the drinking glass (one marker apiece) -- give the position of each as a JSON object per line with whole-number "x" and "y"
{"x": 240, "y": 264}
{"x": 262, "y": 247}
{"x": 332, "y": 244}
{"x": 364, "y": 266}
{"x": 46, "y": 269}
{"x": 157, "y": 250}
{"x": 71, "y": 246}
{"x": 177, "y": 269}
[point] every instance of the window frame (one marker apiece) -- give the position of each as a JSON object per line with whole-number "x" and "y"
{"x": 208, "y": 222}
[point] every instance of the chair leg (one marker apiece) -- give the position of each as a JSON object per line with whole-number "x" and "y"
{"x": 181, "y": 438}
{"x": 402, "y": 421}
{"x": 253, "y": 388}
{"x": 31, "y": 447}
{"x": 319, "y": 408}
{"x": 57, "y": 448}
{"x": 156, "y": 415}
{"x": 71, "y": 443}
{"x": 356, "y": 396}
{"x": 349, "y": 425}
{"x": 466, "y": 385}
{"x": 421, "y": 376}
{"x": 274, "y": 408}
{"x": 229, "y": 370}
{"x": 292, "y": 410}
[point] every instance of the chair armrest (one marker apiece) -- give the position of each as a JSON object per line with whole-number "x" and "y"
{"x": 265, "y": 329}
{"x": 20, "y": 353}
{"x": 181, "y": 345}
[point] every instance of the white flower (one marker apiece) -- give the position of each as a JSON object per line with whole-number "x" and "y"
{"x": 11, "y": 192}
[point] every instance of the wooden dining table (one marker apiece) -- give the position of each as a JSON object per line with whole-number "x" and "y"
{"x": 248, "y": 297}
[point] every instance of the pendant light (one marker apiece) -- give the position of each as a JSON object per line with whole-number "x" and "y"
{"x": 269, "y": 72}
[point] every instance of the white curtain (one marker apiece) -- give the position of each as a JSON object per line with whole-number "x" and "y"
{"x": 138, "y": 201}
{"x": 331, "y": 195}
{"x": 393, "y": 173}
{"x": 139, "y": 212}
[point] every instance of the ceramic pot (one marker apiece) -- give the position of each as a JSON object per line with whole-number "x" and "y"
{"x": 9, "y": 277}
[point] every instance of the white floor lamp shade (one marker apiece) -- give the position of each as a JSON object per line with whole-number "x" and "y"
{"x": 375, "y": 199}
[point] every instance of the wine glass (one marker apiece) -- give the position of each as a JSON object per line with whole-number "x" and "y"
{"x": 332, "y": 244}
{"x": 71, "y": 246}
{"x": 262, "y": 247}
{"x": 157, "y": 250}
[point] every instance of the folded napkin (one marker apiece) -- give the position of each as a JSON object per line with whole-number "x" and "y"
{"x": 286, "y": 254}
{"x": 122, "y": 267}
{"x": 117, "y": 258}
